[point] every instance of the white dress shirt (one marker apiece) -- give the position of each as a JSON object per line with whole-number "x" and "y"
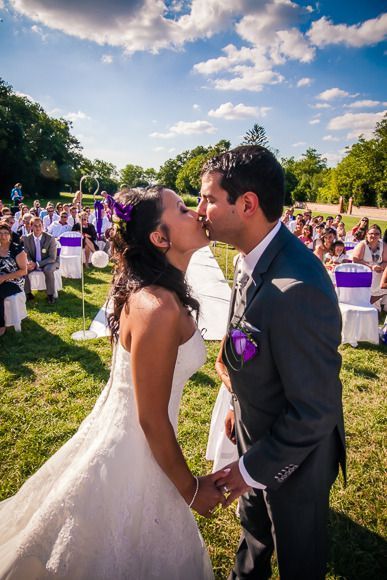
{"x": 247, "y": 264}
{"x": 56, "y": 229}
{"x": 47, "y": 222}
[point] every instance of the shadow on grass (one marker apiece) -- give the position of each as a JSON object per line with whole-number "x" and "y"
{"x": 21, "y": 350}
{"x": 65, "y": 305}
{"x": 356, "y": 553}
{"x": 201, "y": 379}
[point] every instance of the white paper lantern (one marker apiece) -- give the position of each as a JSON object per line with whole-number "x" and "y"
{"x": 100, "y": 259}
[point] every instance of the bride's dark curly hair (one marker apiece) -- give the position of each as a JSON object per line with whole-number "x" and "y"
{"x": 138, "y": 263}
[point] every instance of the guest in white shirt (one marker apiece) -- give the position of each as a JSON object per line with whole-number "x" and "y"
{"x": 73, "y": 216}
{"x": 50, "y": 218}
{"x": 60, "y": 227}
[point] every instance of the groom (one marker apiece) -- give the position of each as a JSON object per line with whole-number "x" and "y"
{"x": 287, "y": 416}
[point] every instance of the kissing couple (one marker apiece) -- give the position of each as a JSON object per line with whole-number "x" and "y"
{"x": 115, "y": 501}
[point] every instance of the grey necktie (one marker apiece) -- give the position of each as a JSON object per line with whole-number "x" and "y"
{"x": 240, "y": 292}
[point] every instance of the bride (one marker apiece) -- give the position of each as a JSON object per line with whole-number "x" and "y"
{"x": 114, "y": 502}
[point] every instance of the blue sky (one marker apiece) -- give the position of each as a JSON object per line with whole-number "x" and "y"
{"x": 143, "y": 80}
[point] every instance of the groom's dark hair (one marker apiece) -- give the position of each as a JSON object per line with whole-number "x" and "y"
{"x": 251, "y": 168}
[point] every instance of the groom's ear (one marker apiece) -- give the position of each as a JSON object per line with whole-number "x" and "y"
{"x": 250, "y": 203}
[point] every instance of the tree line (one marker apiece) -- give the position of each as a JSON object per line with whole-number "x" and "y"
{"x": 40, "y": 152}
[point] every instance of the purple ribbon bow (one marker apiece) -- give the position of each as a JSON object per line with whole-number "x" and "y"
{"x": 98, "y": 207}
{"x": 243, "y": 345}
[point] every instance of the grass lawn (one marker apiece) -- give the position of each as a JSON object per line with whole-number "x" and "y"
{"x": 49, "y": 383}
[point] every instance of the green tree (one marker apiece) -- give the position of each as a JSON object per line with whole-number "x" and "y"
{"x": 35, "y": 149}
{"x": 304, "y": 176}
{"x": 256, "y": 136}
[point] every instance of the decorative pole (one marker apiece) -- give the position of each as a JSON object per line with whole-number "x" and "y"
{"x": 84, "y": 334}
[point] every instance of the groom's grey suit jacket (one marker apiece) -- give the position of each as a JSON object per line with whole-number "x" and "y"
{"x": 288, "y": 397}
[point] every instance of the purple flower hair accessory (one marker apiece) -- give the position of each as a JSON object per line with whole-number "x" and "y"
{"x": 245, "y": 346}
{"x": 121, "y": 211}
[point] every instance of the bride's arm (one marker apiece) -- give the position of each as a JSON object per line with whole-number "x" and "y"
{"x": 155, "y": 320}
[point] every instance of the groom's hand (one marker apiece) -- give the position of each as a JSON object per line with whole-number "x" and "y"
{"x": 232, "y": 482}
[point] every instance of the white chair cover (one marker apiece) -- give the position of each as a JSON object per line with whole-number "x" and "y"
{"x": 220, "y": 450}
{"x": 15, "y": 310}
{"x": 70, "y": 256}
{"x": 38, "y": 281}
{"x": 360, "y": 319}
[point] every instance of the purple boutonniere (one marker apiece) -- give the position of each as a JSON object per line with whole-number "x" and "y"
{"x": 243, "y": 346}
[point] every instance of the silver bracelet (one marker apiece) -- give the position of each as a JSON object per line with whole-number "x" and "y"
{"x": 196, "y": 492}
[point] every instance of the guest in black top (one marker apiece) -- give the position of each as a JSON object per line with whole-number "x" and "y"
{"x": 13, "y": 268}
{"x": 89, "y": 242}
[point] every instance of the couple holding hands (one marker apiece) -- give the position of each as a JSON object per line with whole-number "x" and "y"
{"x": 114, "y": 502}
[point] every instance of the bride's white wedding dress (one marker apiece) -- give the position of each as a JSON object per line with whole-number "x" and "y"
{"x": 101, "y": 507}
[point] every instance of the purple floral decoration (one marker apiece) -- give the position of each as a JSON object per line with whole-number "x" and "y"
{"x": 245, "y": 346}
{"x": 123, "y": 212}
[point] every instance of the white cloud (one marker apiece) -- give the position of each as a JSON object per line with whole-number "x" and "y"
{"x": 366, "y": 104}
{"x": 323, "y": 32}
{"x": 37, "y": 30}
{"x": 357, "y": 123}
{"x": 25, "y": 96}
{"x": 186, "y": 128}
{"x": 331, "y": 94}
{"x": 320, "y": 106}
{"x": 78, "y": 116}
{"x": 330, "y": 138}
{"x": 248, "y": 79}
{"x": 106, "y": 59}
{"x": 299, "y": 144}
{"x": 333, "y": 158}
{"x": 304, "y": 82}
{"x": 314, "y": 121}
{"x": 232, "y": 112}
{"x": 196, "y": 107}
{"x": 157, "y": 149}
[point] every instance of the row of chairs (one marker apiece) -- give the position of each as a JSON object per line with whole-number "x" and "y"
{"x": 69, "y": 252}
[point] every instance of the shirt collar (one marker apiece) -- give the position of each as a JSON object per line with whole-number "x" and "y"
{"x": 37, "y": 239}
{"x": 250, "y": 260}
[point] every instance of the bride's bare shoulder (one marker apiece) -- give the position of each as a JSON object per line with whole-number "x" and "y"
{"x": 154, "y": 303}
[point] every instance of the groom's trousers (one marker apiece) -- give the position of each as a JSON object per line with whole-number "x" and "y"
{"x": 291, "y": 520}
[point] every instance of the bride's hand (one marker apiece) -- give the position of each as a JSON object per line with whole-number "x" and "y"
{"x": 208, "y": 496}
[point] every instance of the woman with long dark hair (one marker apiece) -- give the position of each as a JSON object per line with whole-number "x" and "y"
{"x": 114, "y": 502}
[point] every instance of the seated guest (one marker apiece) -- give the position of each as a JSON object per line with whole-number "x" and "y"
{"x": 37, "y": 207}
{"x": 359, "y": 235}
{"x": 338, "y": 220}
{"x": 383, "y": 281}
{"x": 50, "y": 218}
{"x": 307, "y": 216}
{"x": 307, "y": 236}
{"x": 89, "y": 234}
{"x": 25, "y": 227}
{"x": 60, "y": 227}
{"x": 297, "y": 231}
{"x": 59, "y": 207}
{"x": 10, "y": 220}
{"x": 13, "y": 268}
{"x": 329, "y": 223}
{"x": 372, "y": 251}
{"x": 341, "y": 234}
{"x": 295, "y": 223}
{"x": 73, "y": 216}
{"x": 362, "y": 224}
{"x": 41, "y": 255}
{"x": 324, "y": 250}
{"x": 339, "y": 255}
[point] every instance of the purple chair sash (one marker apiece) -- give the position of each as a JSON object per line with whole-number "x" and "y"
{"x": 349, "y": 245}
{"x": 71, "y": 242}
{"x": 353, "y": 279}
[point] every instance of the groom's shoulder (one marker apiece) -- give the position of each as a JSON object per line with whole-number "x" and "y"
{"x": 295, "y": 263}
